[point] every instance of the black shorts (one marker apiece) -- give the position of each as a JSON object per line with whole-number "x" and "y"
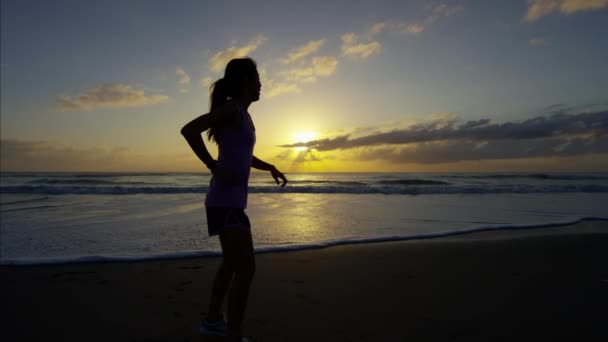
{"x": 219, "y": 218}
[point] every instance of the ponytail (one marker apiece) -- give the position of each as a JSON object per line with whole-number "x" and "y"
{"x": 219, "y": 94}
{"x": 238, "y": 70}
{"x": 218, "y": 97}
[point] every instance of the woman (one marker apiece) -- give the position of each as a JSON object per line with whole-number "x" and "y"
{"x": 231, "y": 127}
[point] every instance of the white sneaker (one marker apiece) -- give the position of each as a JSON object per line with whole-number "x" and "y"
{"x": 218, "y": 328}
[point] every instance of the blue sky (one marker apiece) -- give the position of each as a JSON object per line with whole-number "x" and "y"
{"x": 106, "y": 85}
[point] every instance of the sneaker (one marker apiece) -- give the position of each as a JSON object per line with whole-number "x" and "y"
{"x": 218, "y": 328}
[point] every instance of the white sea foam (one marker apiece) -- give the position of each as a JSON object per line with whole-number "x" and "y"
{"x": 281, "y": 249}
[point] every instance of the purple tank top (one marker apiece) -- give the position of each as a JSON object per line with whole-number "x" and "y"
{"x": 235, "y": 152}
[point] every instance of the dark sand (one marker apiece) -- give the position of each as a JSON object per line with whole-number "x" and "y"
{"x": 539, "y": 285}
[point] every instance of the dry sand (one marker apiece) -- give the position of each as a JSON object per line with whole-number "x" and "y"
{"x": 506, "y": 286}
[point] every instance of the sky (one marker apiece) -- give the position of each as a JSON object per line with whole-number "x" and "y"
{"x": 368, "y": 86}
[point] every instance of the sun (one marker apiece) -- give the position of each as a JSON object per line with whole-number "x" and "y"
{"x": 303, "y": 137}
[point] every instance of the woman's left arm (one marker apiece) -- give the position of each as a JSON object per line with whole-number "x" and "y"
{"x": 264, "y": 166}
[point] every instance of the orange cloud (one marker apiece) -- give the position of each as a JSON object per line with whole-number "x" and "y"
{"x": 437, "y": 12}
{"x": 108, "y": 95}
{"x": 319, "y": 66}
{"x": 352, "y": 47}
{"x": 540, "y": 8}
{"x": 300, "y": 52}
{"x": 184, "y": 80}
{"x": 220, "y": 59}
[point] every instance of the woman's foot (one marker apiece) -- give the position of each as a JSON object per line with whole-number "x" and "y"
{"x": 236, "y": 337}
{"x": 214, "y": 325}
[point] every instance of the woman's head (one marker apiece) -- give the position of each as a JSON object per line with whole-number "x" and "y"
{"x": 241, "y": 80}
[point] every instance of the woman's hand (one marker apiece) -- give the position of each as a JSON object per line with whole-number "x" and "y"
{"x": 276, "y": 174}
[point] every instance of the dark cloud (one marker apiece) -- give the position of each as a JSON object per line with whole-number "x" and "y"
{"x": 19, "y": 154}
{"x": 449, "y": 140}
{"x": 453, "y": 151}
{"x": 31, "y": 155}
{"x": 541, "y": 127}
{"x": 40, "y": 155}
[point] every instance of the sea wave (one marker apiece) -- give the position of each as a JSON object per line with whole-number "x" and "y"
{"x": 90, "y": 174}
{"x": 290, "y": 248}
{"x": 310, "y": 181}
{"x": 83, "y": 181}
{"x": 28, "y": 208}
{"x": 37, "y": 199}
{"x": 535, "y": 176}
{"x": 396, "y": 189}
{"x": 413, "y": 182}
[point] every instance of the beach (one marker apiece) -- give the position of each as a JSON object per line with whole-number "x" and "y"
{"x": 492, "y": 286}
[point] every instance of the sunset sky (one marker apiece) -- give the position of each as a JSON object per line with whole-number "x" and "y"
{"x": 346, "y": 86}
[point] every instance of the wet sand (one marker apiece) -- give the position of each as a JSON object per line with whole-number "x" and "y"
{"x": 494, "y": 286}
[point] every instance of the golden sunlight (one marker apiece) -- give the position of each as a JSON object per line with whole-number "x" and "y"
{"x": 303, "y": 137}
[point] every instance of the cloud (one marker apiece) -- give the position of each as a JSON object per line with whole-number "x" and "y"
{"x": 319, "y": 66}
{"x": 218, "y": 62}
{"x": 184, "y": 80}
{"x": 108, "y": 95}
{"x": 475, "y": 130}
{"x": 305, "y": 74}
{"x": 377, "y": 28}
{"x": 447, "y": 139}
{"x": 272, "y": 87}
{"x": 325, "y": 65}
{"x": 454, "y": 151}
{"x": 43, "y": 155}
{"x": 289, "y": 80}
{"x": 352, "y": 47}
{"x": 300, "y": 52}
{"x": 444, "y": 10}
{"x": 540, "y": 8}
{"x": 206, "y": 82}
{"x": 411, "y": 28}
{"x": 539, "y": 41}
{"x": 437, "y": 12}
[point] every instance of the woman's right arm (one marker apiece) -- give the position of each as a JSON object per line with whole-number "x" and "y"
{"x": 222, "y": 116}
{"x": 192, "y": 133}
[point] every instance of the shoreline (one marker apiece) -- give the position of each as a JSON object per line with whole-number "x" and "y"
{"x": 455, "y": 288}
{"x": 488, "y": 232}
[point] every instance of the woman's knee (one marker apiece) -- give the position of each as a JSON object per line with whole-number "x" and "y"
{"x": 226, "y": 267}
{"x": 238, "y": 252}
{"x": 246, "y": 268}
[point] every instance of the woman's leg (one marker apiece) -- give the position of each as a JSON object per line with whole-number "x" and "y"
{"x": 221, "y": 283}
{"x": 237, "y": 247}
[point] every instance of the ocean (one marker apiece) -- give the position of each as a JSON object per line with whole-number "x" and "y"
{"x": 67, "y": 217}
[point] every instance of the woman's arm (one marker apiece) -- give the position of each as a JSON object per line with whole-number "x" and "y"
{"x": 192, "y": 133}
{"x": 224, "y": 115}
{"x": 262, "y": 165}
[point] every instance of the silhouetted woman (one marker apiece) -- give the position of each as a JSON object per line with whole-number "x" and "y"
{"x": 231, "y": 127}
